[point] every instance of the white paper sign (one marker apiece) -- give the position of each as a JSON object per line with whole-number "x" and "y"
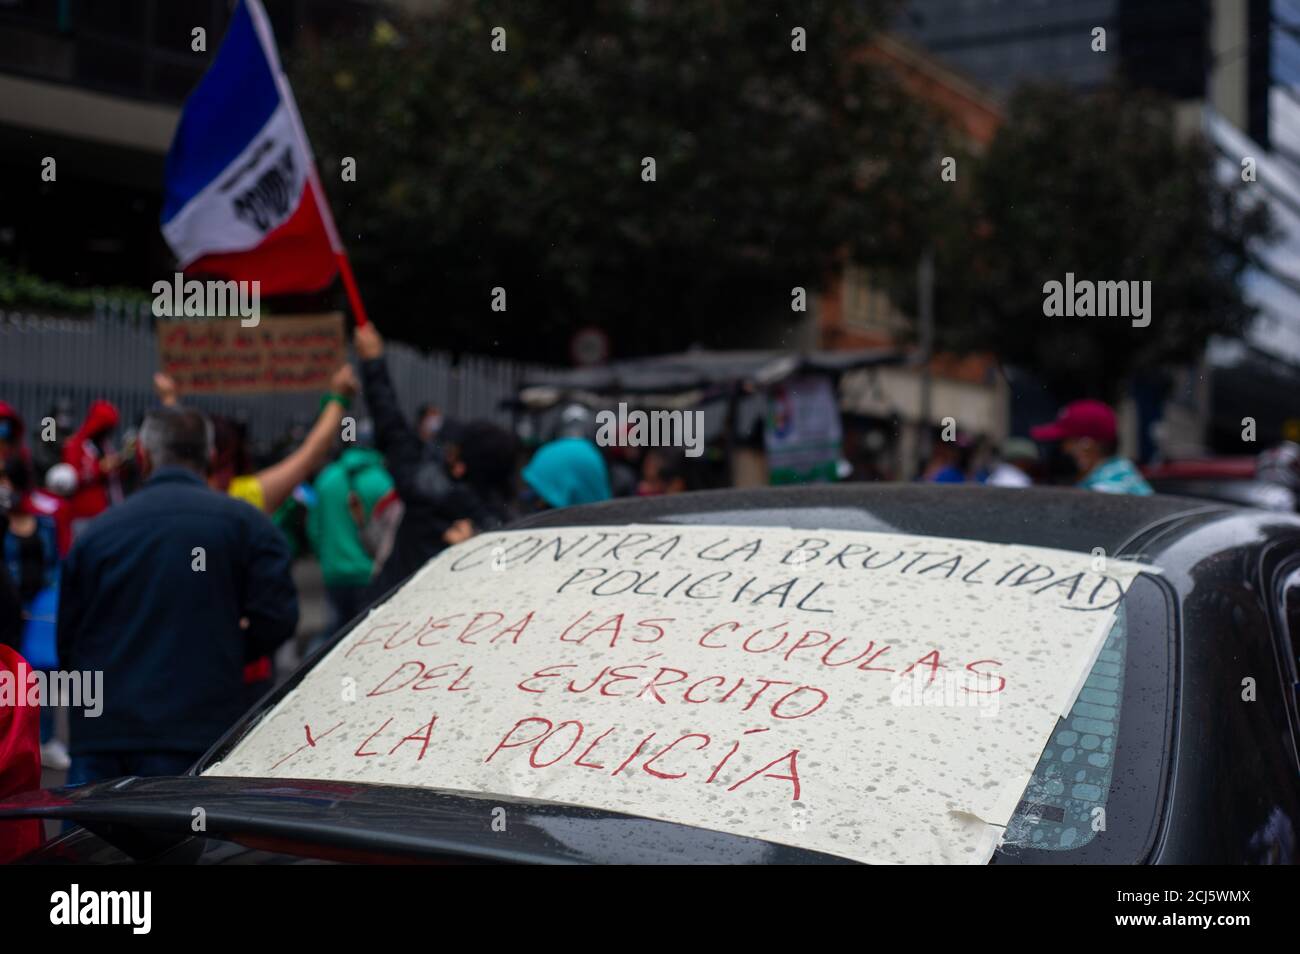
{"x": 876, "y": 696}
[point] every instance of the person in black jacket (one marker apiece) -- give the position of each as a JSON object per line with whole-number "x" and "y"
{"x": 459, "y": 486}
{"x": 168, "y": 595}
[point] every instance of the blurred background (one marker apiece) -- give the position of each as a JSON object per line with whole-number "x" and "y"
{"x": 883, "y": 207}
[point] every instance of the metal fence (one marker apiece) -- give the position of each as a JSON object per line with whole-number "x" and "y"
{"x": 113, "y": 354}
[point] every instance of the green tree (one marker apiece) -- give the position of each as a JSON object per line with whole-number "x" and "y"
{"x": 1106, "y": 187}
{"x": 523, "y": 169}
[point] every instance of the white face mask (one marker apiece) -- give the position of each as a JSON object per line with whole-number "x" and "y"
{"x": 430, "y": 426}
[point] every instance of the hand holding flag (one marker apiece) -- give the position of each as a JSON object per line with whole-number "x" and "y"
{"x": 243, "y": 200}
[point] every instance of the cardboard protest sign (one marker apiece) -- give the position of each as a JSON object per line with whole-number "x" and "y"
{"x": 876, "y": 696}
{"x": 221, "y": 356}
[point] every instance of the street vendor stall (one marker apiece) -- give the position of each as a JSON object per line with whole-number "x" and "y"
{"x": 768, "y": 416}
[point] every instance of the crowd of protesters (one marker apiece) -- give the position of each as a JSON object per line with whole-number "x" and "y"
{"x": 165, "y": 562}
{"x": 1087, "y": 433}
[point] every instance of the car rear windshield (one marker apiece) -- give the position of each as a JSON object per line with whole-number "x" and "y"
{"x": 1095, "y": 791}
{"x": 873, "y": 695}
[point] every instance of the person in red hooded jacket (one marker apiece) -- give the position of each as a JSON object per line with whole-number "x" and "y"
{"x": 91, "y": 453}
{"x": 20, "y": 732}
{"x": 20, "y": 748}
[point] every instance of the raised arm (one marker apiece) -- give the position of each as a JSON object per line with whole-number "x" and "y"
{"x": 402, "y": 448}
{"x": 164, "y": 385}
{"x": 278, "y": 480}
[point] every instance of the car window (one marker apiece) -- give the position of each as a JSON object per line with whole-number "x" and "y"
{"x": 1289, "y": 599}
{"x": 1095, "y": 794}
{"x": 1065, "y": 802}
{"x": 1287, "y": 589}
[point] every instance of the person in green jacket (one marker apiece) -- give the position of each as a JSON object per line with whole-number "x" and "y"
{"x": 347, "y": 491}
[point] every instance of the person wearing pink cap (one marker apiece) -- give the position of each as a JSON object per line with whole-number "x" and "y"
{"x": 1088, "y": 434}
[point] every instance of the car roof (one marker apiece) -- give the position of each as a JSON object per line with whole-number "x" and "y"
{"x": 1245, "y": 493}
{"x": 1065, "y": 518}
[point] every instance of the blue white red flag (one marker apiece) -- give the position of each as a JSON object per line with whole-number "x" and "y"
{"x": 242, "y": 198}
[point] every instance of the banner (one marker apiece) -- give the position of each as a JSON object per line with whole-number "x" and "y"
{"x": 220, "y": 356}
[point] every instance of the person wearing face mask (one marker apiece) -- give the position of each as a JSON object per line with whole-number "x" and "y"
{"x": 430, "y": 422}
{"x": 454, "y": 487}
{"x": 1088, "y": 434}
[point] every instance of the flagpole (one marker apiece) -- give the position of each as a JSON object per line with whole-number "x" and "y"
{"x": 350, "y": 286}
{"x": 263, "y": 27}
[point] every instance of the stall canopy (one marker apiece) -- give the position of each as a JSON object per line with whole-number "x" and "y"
{"x": 693, "y": 376}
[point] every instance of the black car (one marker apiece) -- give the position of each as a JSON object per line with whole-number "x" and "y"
{"x": 1243, "y": 493}
{"x": 1180, "y": 747}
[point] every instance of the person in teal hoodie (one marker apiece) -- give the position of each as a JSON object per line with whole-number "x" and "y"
{"x": 347, "y": 491}
{"x": 566, "y": 472}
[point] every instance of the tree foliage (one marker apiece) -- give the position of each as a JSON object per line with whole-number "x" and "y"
{"x": 523, "y": 169}
{"x": 1106, "y": 187}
